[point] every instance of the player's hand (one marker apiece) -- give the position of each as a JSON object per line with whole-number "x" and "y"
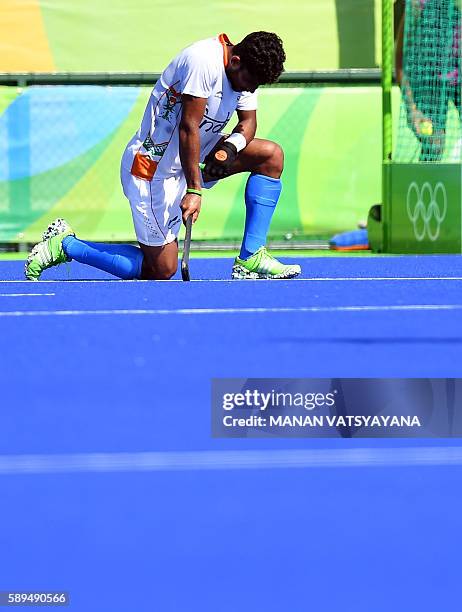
{"x": 421, "y": 125}
{"x": 191, "y": 206}
{"x": 219, "y": 161}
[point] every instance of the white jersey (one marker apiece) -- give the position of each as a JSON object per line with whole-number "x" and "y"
{"x": 199, "y": 70}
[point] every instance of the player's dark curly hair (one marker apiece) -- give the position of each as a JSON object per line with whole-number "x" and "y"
{"x": 263, "y": 55}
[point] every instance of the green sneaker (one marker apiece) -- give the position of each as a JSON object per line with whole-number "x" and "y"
{"x": 46, "y": 254}
{"x": 263, "y": 265}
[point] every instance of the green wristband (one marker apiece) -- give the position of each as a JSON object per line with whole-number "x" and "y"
{"x": 196, "y": 191}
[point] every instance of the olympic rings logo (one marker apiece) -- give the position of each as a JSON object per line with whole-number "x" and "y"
{"x": 426, "y": 209}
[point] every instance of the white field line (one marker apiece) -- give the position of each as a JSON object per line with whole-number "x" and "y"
{"x": 292, "y": 280}
{"x": 219, "y": 311}
{"x": 25, "y": 294}
{"x": 230, "y": 460}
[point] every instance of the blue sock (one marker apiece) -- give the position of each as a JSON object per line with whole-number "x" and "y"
{"x": 122, "y": 260}
{"x": 261, "y": 196}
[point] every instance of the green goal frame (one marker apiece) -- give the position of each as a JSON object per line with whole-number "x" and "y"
{"x": 421, "y": 209}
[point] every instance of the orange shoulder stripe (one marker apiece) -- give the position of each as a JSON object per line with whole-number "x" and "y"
{"x": 225, "y": 42}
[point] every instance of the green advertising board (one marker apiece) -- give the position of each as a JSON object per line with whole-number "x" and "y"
{"x": 425, "y": 211}
{"x": 60, "y": 150}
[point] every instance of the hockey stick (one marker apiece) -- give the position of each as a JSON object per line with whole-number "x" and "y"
{"x": 186, "y": 246}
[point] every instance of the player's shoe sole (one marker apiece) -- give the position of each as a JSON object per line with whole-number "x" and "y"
{"x": 58, "y": 226}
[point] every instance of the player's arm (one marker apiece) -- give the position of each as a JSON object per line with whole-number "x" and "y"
{"x": 190, "y": 144}
{"x": 219, "y": 161}
{"x": 247, "y": 125}
{"x": 416, "y": 118}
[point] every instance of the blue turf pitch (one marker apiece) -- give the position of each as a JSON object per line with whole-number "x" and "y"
{"x": 125, "y": 367}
